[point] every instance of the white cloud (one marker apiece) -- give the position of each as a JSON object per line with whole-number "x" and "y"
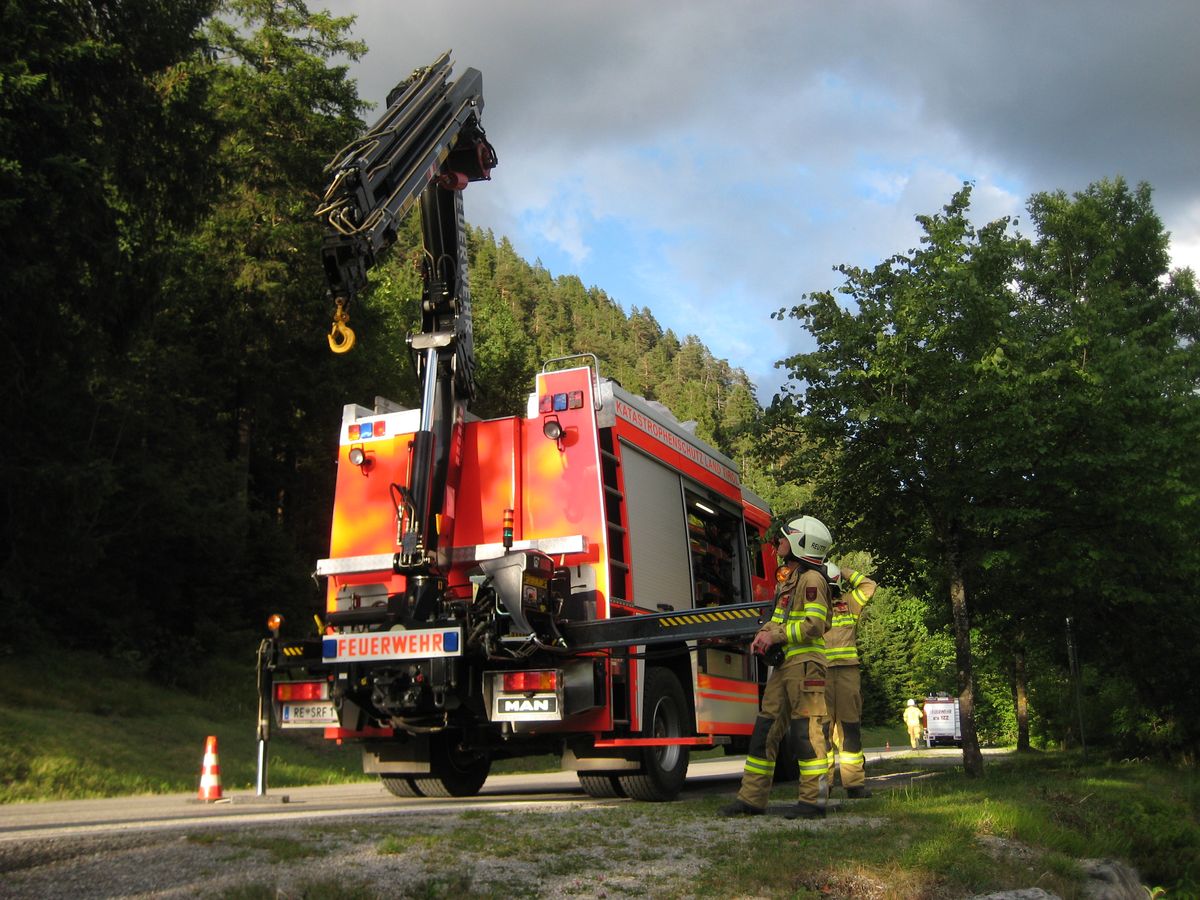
{"x": 1185, "y": 242}
{"x": 738, "y": 151}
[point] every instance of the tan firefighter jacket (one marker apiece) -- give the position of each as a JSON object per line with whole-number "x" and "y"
{"x": 841, "y": 641}
{"x": 801, "y": 613}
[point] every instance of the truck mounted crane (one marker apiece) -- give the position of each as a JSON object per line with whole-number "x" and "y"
{"x": 426, "y": 148}
{"x": 580, "y": 580}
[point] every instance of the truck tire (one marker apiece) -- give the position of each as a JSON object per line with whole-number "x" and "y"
{"x": 401, "y": 785}
{"x": 601, "y": 786}
{"x": 663, "y": 769}
{"x": 457, "y": 771}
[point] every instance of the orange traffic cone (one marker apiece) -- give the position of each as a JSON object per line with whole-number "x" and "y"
{"x": 210, "y": 771}
{"x": 889, "y": 746}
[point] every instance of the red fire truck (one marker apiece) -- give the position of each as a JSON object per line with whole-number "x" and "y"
{"x": 580, "y": 579}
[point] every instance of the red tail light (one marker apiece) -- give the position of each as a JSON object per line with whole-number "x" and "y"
{"x": 302, "y": 690}
{"x": 531, "y": 682}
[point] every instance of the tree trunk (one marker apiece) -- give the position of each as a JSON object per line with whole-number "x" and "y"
{"x": 972, "y": 758}
{"x": 1021, "y": 697}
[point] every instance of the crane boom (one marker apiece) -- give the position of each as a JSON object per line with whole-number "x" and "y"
{"x": 429, "y": 140}
{"x": 425, "y": 148}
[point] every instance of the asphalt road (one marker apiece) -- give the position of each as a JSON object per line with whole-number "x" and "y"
{"x": 77, "y": 818}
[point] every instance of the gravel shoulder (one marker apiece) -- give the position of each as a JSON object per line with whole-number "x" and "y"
{"x": 650, "y": 850}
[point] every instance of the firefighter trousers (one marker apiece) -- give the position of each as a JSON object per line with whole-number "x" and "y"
{"x": 843, "y": 701}
{"x": 795, "y": 694}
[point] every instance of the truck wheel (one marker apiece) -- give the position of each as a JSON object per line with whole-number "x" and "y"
{"x": 457, "y": 771}
{"x": 601, "y": 786}
{"x": 663, "y": 769}
{"x": 401, "y": 785}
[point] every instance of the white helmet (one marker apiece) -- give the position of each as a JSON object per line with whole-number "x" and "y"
{"x": 912, "y": 703}
{"x": 808, "y": 538}
{"x": 833, "y": 574}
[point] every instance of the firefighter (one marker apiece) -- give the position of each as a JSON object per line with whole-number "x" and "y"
{"x": 850, "y": 591}
{"x": 795, "y": 691}
{"x": 912, "y": 718}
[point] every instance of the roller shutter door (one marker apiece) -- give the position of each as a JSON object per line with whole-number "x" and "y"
{"x": 658, "y": 544}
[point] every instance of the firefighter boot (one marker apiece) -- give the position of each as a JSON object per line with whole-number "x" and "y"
{"x": 805, "y": 811}
{"x": 740, "y": 808}
{"x": 862, "y": 792}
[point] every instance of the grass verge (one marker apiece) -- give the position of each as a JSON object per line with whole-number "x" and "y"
{"x": 933, "y": 834}
{"x": 88, "y": 729}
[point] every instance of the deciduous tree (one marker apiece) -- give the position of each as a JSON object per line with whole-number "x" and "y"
{"x": 917, "y": 417}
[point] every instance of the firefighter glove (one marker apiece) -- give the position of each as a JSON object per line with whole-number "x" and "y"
{"x": 763, "y": 641}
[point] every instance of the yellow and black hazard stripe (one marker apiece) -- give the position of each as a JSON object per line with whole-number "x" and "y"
{"x": 716, "y": 615}
{"x": 663, "y": 627}
{"x": 294, "y": 652}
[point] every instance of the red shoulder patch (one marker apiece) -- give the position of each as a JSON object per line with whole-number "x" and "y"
{"x": 784, "y": 601}
{"x": 810, "y": 593}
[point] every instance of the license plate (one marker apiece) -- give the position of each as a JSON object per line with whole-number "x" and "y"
{"x": 312, "y": 714}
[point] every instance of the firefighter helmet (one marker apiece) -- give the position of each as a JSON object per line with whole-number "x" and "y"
{"x": 912, "y": 703}
{"x": 833, "y": 574}
{"x": 808, "y": 538}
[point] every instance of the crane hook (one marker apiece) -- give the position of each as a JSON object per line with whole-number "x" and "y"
{"x": 341, "y": 336}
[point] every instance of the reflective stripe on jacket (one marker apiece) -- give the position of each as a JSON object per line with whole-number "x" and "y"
{"x": 841, "y": 643}
{"x": 801, "y": 614}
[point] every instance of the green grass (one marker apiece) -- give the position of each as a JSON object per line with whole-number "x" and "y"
{"x": 881, "y": 735}
{"x": 315, "y": 890}
{"x": 1027, "y": 823}
{"x": 279, "y": 849}
{"x": 1144, "y": 813}
{"x": 87, "y": 729}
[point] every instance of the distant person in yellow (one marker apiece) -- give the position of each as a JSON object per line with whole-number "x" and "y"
{"x": 912, "y": 718}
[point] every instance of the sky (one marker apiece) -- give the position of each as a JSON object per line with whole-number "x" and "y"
{"x": 714, "y": 160}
